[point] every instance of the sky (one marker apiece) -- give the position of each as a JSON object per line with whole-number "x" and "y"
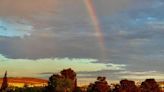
{"x": 114, "y": 38}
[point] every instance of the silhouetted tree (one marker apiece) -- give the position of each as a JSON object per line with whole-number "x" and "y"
{"x": 63, "y": 82}
{"x": 58, "y": 83}
{"x": 68, "y": 73}
{"x": 116, "y": 89}
{"x": 100, "y": 85}
{"x": 71, "y": 75}
{"x": 128, "y": 86}
{"x": 78, "y": 89}
{"x": 150, "y": 85}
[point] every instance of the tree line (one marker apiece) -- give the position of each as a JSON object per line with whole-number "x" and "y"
{"x": 66, "y": 81}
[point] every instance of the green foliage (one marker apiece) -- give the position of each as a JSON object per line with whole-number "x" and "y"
{"x": 58, "y": 83}
{"x": 64, "y": 84}
{"x": 78, "y": 89}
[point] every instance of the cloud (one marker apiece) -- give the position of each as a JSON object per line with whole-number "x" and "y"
{"x": 137, "y": 73}
{"x": 67, "y": 32}
{"x": 116, "y": 66}
{"x": 12, "y": 29}
{"x": 111, "y": 73}
{"x": 132, "y": 29}
{"x": 110, "y": 7}
{"x": 142, "y": 75}
{"x": 135, "y": 77}
{"x": 85, "y": 68}
{"x": 25, "y": 8}
{"x": 50, "y": 65}
{"x": 46, "y": 73}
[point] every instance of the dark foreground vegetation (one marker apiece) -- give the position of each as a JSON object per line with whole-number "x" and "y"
{"x": 66, "y": 82}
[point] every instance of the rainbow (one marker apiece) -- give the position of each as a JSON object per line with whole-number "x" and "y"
{"x": 100, "y": 37}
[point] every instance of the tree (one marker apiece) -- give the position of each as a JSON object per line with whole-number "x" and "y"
{"x": 63, "y": 82}
{"x": 150, "y": 85}
{"x": 68, "y": 73}
{"x": 53, "y": 80}
{"x": 128, "y": 86}
{"x": 71, "y": 75}
{"x": 58, "y": 83}
{"x": 64, "y": 85}
{"x": 78, "y": 89}
{"x": 116, "y": 88}
{"x": 100, "y": 85}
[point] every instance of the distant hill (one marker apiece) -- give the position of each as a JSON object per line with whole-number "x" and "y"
{"x": 22, "y": 81}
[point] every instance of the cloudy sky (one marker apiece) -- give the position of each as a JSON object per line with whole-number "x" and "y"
{"x": 113, "y": 38}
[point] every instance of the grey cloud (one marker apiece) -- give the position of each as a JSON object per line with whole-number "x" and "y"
{"x": 110, "y": 7}
{"x": 67, "y": 31}
{"x": 110, "y": 74}
{"x": 46, "y": 73}
{"x": 49, "y": 47}
{"x": 142, "y": 75}
{"x": 22, "y": 8}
